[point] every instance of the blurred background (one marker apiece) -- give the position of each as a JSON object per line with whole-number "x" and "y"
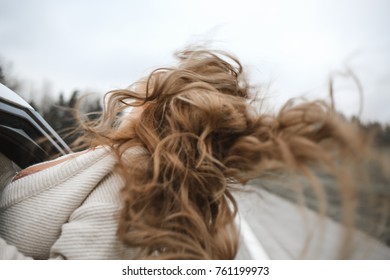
{"x": 52, "y": 52}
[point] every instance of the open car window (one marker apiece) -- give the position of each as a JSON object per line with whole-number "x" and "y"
{"x": 25, "y": 137}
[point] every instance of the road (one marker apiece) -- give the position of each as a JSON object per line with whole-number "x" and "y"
{"x": 275, "y": 228}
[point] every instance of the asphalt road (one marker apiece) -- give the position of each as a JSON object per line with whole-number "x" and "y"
{"x": 274, "y": 228}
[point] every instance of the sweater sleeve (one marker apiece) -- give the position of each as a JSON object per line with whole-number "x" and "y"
{"x": 91, "y": 232}
{"x": 9, "y": 252}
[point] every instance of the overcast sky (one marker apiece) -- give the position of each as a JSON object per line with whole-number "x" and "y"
{"x": 292, "y": 46}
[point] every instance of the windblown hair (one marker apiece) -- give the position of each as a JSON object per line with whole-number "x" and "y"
{"x": 202, "y": 136}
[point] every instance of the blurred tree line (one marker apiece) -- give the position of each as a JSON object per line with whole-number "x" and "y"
{"x": 381, "y": 132}
{"x": 60, "y": 113}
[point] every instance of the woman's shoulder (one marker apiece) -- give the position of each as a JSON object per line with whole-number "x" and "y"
{"x": 72, "y": 162}
{"x": 79, "y": 161}
{"x": 84, "y": 170}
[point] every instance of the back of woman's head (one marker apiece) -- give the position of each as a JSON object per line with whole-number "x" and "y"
{"x": 201, "y": 134}
{"x": 192, "y": 115}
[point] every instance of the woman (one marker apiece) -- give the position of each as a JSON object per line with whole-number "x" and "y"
{"x": 157, "y": 182}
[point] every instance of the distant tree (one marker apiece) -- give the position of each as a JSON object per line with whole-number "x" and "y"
{"x": 62, "y": 115}
{"x": 379, "y": 131}
{"x": 2, "y": 77}
{"x": 61, "y": 100}
{"x": 5, "y": 79}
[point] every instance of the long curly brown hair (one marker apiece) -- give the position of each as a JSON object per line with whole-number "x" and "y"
{"x": 201, "y": 136}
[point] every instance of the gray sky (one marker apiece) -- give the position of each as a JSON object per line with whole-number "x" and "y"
{"x": 293, "y": 46}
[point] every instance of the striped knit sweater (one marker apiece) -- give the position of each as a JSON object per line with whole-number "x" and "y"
{"x": 68, "y": 211}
